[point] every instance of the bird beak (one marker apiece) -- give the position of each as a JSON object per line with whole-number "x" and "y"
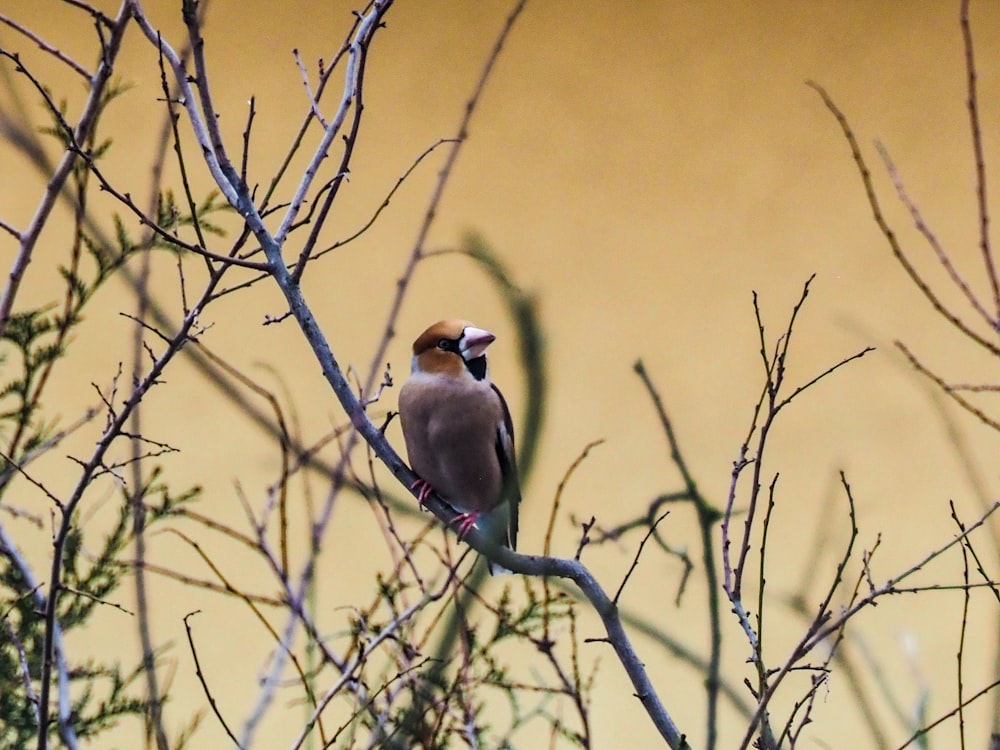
{"x": 474, "y": 342}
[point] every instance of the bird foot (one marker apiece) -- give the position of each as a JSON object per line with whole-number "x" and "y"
{"x": 423, "y": 488}
{"x": 464, "y": 523}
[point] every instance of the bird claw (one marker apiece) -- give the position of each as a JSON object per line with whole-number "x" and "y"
{"x": 464, "y": 522}
{"x": 423, "y": 488}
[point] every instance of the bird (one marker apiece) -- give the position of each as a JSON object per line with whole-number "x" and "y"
{"x": 458, "y": 431}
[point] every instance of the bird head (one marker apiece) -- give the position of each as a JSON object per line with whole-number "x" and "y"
{"x": 452, "y": 347}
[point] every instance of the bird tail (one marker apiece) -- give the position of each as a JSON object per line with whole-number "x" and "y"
{"x": 501, "y": 526}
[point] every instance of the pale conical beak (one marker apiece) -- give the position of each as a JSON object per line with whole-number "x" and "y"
{"x": 474, "y": 342}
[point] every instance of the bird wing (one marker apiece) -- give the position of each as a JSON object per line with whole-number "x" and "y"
{"x": 511, "y": 493}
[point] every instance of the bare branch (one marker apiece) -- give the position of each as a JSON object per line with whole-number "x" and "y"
{"x": 889, "y": 234}
{"x": 352, "y": 80}
{"x": 918, "y": 220}
{"x": 54, "y": 51}
{"x": 29, "y": 237}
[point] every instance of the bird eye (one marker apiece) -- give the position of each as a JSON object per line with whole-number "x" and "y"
{"x": 444, "y": 344}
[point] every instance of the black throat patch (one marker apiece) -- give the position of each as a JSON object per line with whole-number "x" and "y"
{"x": 477, "y": 367}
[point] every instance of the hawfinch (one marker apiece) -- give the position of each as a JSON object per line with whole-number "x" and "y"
{"x": 458, "y": 431}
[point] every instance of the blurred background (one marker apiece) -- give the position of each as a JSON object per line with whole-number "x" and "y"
{"x": 641, "y": 169}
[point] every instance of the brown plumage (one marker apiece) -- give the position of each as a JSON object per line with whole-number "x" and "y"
{"x": 458, "y": 430}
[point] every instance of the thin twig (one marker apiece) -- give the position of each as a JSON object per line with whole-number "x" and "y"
{"x": 977, "y": 150}
{"x": 313, "y": 104}
{"x": 638, "y": 553}
{"x": 201, "y": 678}
{"x": 943, "y": 718}
{"x": 547, "y": 543}
{"x": 960, "y": 656}
{"x": 54, "y": 51}
{"x": 949, "y": 391}
{"x": 918, "y": 220}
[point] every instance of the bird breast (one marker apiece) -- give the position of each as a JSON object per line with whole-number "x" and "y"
{"x": 450, "y": 427}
